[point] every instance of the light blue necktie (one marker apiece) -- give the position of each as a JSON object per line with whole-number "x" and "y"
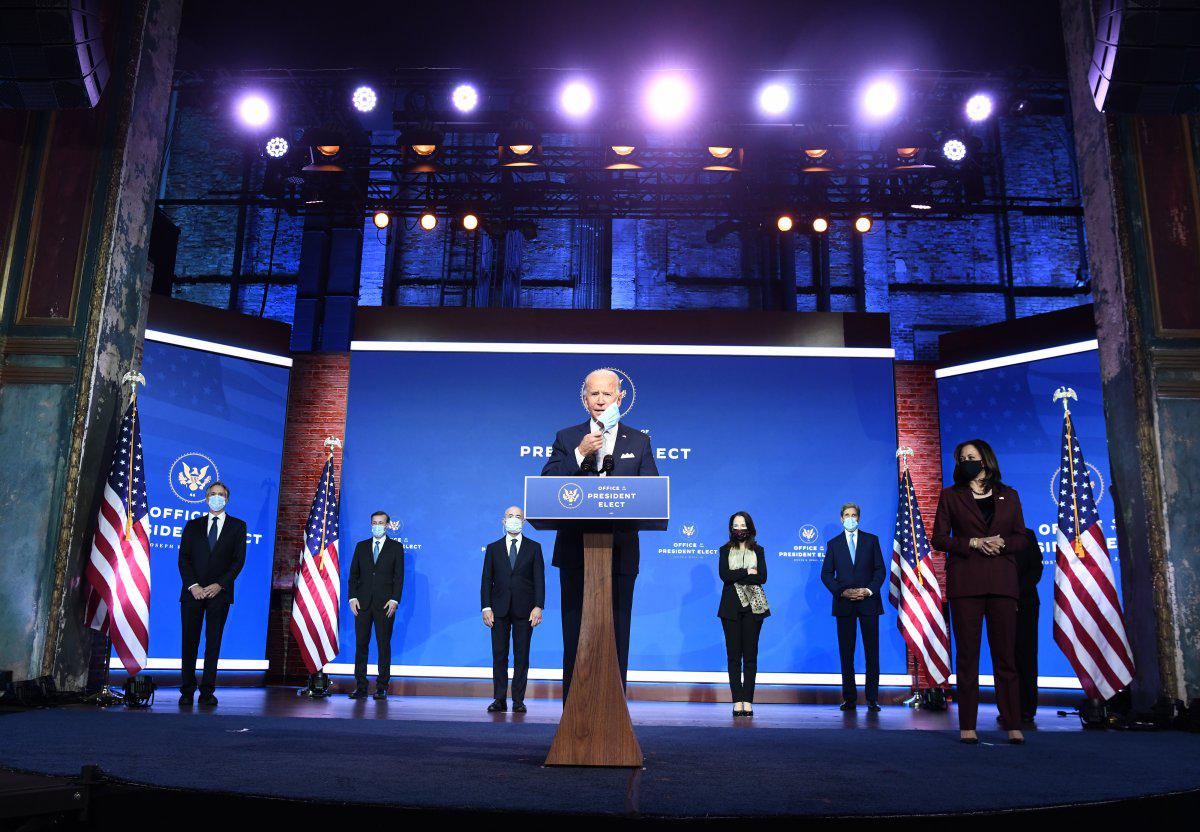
{"x": 853, "y": 546}
{"x": 376, "y": 551}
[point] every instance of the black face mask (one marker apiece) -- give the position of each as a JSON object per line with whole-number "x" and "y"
{"x": 967, "y": 470}
{"x": 741, "y": 534}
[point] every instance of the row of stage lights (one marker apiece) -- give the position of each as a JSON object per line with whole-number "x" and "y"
{"x": 668, "y": 98}
{"x": 785, "y": 223}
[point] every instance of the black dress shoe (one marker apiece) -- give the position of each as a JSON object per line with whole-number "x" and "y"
{"x": 848, "y": 705}
{"x": 873, "y": 706}
{"x": 519, "y": 708}
{"x": 969, "y": 740}
{"x": 1016, "y": 740}
{"x": 497, "y": 706}
{"x": 186, "y": 698}
{"x": 748, "y": 712}
{"x": 208, "y": 700}
{"x": 358, "y": 693}
{"x": 381, "y": 694}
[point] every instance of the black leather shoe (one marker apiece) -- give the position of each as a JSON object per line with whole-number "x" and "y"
{"x": 358, "y": 693}
{"x": 208, "y": 700}
{"x": 381, "y": 694}
{"x": 519, "y": 708}
{"x": 969, "y": 740}
{"x": 848, "y": 705}
{"x": 748, "y": 712}
{"x": 874, "y": 706}
{"x": 186, "y": 698}
{"x": 497, "y": 706}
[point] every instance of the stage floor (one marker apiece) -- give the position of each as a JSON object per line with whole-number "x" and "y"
{"x": 443, "y": 752}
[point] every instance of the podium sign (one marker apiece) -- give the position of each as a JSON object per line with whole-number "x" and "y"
{"x": 595, "y": 729}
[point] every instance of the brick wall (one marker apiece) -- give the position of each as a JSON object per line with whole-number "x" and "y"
{"x": 316, "y": 409}
{"x": 917, "y": 427}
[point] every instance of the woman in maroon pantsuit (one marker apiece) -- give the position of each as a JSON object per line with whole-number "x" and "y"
{"x": 980, "y": 527}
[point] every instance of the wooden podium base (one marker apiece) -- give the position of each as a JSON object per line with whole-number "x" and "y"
{"x": 595, "y": 729}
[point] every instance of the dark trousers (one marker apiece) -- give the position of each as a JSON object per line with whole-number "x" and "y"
{"x": 375, "y": 615}
{"x": 1026, "y": 654}
{"x": 206, "y": 616}
{"x": 570, "y": 582}
{"x": 967, "y": 617}
{"x": 741, "y": 649}
{"x": 847, "y": 631}
{"x": 522, "y": 634}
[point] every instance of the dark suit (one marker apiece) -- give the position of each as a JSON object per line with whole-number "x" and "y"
{"x": 982, "y": 587}
{"x": 204, "y": 565}
{"x": 373, "y": 584}
{"x": 1029, "y": 572}
{"x": 839, "y": 573}
{"x": 632, "y": 457}
{"x": 511, "y": 591}
{"x": 742, "y": 627}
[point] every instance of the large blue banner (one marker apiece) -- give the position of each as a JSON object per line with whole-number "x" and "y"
{"x": 443, "y": 441}
{"x": 208, "y": 417}
{"x": 1011, "y": 408}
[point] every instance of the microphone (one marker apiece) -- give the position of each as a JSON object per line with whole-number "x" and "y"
{"x": 607, "y": 465}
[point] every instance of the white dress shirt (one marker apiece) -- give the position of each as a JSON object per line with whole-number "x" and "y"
{"x": 852, "y": 543}
{"x": 508, "y": 542}
{"x": 209, "y": 519}
{"x": 610, "y": 442}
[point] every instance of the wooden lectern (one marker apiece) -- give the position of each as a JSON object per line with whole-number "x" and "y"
{"x": 595, "y": 729}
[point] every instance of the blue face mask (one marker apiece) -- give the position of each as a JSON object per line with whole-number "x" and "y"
{"x": 216, "y": 502}
{"x": 512, "y": 525}
{"x": 850, "y": 524}
{"x": 378, "y": 530}
{"x": 611, "y": 416}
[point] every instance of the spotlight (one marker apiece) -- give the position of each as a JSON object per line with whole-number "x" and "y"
{"x": 139, "y": 692}
{"x": 774, "y": 99}
{"x": 880, "y": 99}
{"x": 277, "y": 147}
{"x": 428, "y": 221}
{"x": 820, "y": 225}
{"x": 421, "y": 144}
{"x": 576, "y": 99}
{"x": 470, "y": 222}
{"x": 784, "y": 223}
{"x": 254, "y": 110}
{"x": 324, "y": 146}
{"x": 465, "y": 98}
{"x": 329, "y": 150}
{"x": 319, "y": 686}
{"x": 921, "y": 206}
{"x": 519, "y": 146}
{"x": 910, "y": 146}
{"x": 668, "y": 98}
{"x": 979, "y": 107}
{"x": 863, "y": 224}
{"x": 622, "y": 148}
{"x": 818, "y": 152}
{"x": 724, "y": 154}
{"x": 364, "y": 99}
{"x": 954, "y": 150}
{"x": 381, "y": 219}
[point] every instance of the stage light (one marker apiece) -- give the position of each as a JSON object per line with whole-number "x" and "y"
{"x": 668, "y": 98}
{"x": 428, "y": 221}
{"x": 576, "y": 99}
{"x": 139, "y": 692}
{"x": 519, "y": 146}
{"x": 921, "y": 206}
{"x": 907, "y": 153}
{"x": 622, "y": 148}
{"x": 329, "y": 150}
{"x": 254, "y": 110}
{"x": 784, "y": 223}
{"x": 724, "y": 153}
{"x": 277, "y": 147}
{"x": 421, "y": 143}
{"x": 820, "y": 225}
{"x": 381, "y": 219}
{"x": 862, "y": 225}
{"x": 324, "y": 146}
{"x": 774, "y": 99}
{"x": 979, "y": 107}
{"x": 470, "y": 222}
{"x": 465, "y": 98}
{"x": 954, "y": 150}
{"x": 880, "y": 99}
{"x": 364, "y": 99}
{"x": 816, "y": 153}
{"x": 720, "y": 152}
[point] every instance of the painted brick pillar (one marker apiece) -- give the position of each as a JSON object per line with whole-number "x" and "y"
{"x": 77, "y": 191}
{"x": 917, "y": 427}
{"x": 316, "y": 409}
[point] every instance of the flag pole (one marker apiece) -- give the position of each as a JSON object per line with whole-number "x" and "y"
{"x": 331, "y": 442}
{"x": 1065, "y": 394}
{"x": 904, "y": 453}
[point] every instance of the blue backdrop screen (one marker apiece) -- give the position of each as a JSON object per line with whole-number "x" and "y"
{"x": 1011, "y": 408}
{"x": 442, "y": 441}
{"x": 205, "y": 417}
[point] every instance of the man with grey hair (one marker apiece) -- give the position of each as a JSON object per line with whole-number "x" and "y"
{"x": 853, "y": 572}
{"x": 600, "y": 446}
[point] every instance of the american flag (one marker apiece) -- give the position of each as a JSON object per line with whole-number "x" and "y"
{"x": 318, "y": 582}
{"x": 914, "y": 588}
{"x": 1088, "y": 625}
{"x": 118, "y": 570}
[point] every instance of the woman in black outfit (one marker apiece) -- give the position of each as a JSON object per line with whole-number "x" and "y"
{"x": 743, "y": 569}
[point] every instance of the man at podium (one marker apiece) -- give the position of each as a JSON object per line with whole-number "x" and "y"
{"x": 601, "y": 446}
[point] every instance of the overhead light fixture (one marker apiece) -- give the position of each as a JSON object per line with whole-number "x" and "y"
{"x": 324, "y": 147}
{"x": 623, "y": 148}
{"x": 519, "y": 146}
{"x": 576, "y": 99}
{"x": 955, "y": 150}
{"x": 725, "y": 154}
{"x": 784, "y": 223}
{"x": 910, "y": 147}
{"x": 254, "y": 110}
{"x": 421, "y": 145}
{"x": 277, "y": 147}
{"x": 465, "y": 98}
{"x": 470, "y": 222}
{"x": 774, "y": 99}
{"x": 364, "y": 99}
{"x": 669, "y": 98}
{"x": 979, "y": 107}
{"x": 921, "y": 206}
{"x": 880, "y": 99}
{"x": 863, "y": 224}
{"x": 381, "y": 219}
{"x": 428, "y": 221}
{"x": 820, "y": 225}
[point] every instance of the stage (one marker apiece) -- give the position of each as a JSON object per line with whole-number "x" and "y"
{"x": 447, "y": 753}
